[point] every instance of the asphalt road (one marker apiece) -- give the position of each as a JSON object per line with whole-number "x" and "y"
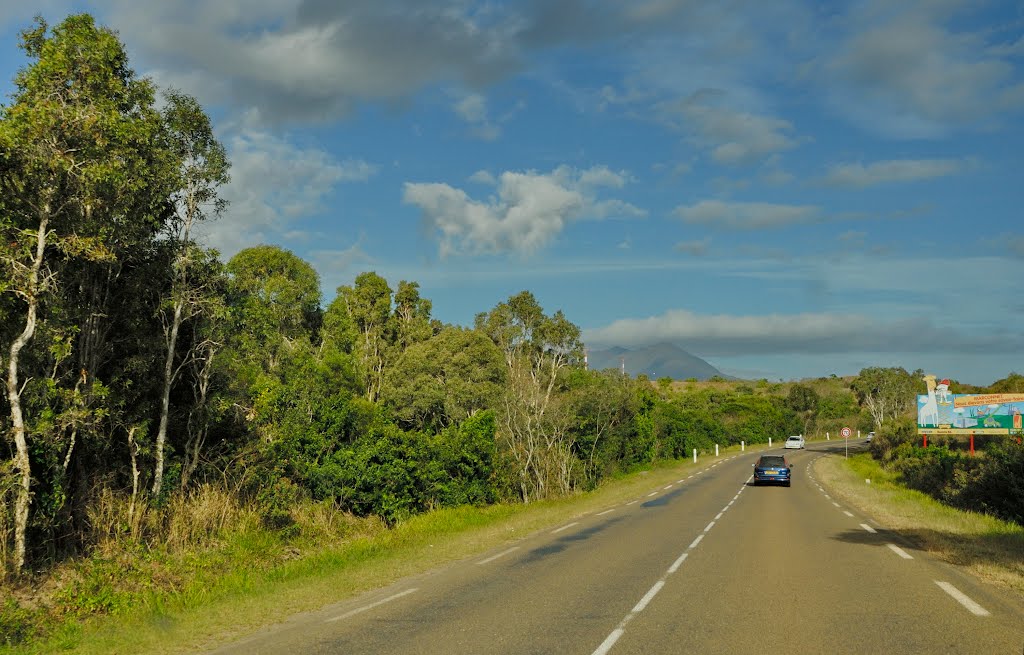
{"x": 709, "y": 564}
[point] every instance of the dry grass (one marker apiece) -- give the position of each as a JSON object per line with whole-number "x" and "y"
{"x": 990, "y": 549}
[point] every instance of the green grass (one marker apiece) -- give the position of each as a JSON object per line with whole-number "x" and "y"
{"x": 987, "y": 547}
{"x": 195, "y": 602}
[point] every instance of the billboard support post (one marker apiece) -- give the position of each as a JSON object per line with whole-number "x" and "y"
{"x": 972, "y": 444}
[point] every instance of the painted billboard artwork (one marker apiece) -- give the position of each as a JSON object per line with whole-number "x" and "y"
{"x": 945, "y": 413}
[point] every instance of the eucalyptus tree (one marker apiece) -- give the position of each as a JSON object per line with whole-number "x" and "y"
{"x": 201, "y": 169}
{"x": 80, "y": 179}
{"x": 534, "y": 423}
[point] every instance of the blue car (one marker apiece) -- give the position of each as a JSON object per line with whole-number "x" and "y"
{"x": 772, "y": 469}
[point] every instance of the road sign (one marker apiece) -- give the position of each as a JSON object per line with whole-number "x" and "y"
{"x": 846, "y": 432}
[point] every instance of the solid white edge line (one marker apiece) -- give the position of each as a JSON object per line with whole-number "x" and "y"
{"x": 501, "y": 554}
{"x": 609, "y": 641}
{"x": 564, "y": 527}
{"x": 899, "y": 551}
{"x": 679, "y": 562}
{"x": 869, "y": 528}
{"x": 648, "y": 597}
{"x": 371, "y": 605}
{"x": 963, "y": 599}
{"x": 696, "y": 541}
{"x": 607, "y": 511}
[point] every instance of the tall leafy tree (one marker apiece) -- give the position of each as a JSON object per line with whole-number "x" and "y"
{"x": 888, "y": 393}
{"x": 201, "y": 169}
{"x": 76, "y": 168}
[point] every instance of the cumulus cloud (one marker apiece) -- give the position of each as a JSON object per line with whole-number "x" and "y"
{"x": 528, "y": 211}
{"x": 747, "y": 215}
{"x": 774, "y": 334}
{"x": 896, "y": 170}
{"x": 911, "y": 70}
{"x": 274, "y": 185}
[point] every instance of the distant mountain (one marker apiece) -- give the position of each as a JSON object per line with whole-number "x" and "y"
{"x": 655, "y": 361}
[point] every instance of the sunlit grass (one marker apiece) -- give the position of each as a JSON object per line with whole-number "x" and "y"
{"x": 988, "y": 547}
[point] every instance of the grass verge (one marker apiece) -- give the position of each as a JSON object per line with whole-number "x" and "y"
{"x": 989, "y": 548}
{"x": 258, "y": 577}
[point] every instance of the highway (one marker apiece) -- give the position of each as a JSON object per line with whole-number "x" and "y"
{"x": 708, "y": 564}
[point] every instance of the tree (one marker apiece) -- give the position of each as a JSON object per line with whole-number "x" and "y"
{"x": 444, "y": 380}
{"x": 534, "y": 423}
{"x": 202, "y": 169}
{"x": 76, "y": 168}
{"x": 368, "y": 303}
{"x": 888, "y": 393}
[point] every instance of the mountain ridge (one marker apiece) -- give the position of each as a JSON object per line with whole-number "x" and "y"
{"x": 657, "y": 360}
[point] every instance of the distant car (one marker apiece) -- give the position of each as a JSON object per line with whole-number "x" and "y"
{"x": 796, "y": 441}
{"x": 772, "y": 469}
{"x": 871, "y": 435}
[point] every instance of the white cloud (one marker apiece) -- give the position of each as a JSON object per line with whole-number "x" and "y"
{"x": 747, "y": 215}
{"x": 897, "y": 170}
{"x": 274, "y": 185}
{"x": 529, "y": 211}
{"x": 695, "y": 247}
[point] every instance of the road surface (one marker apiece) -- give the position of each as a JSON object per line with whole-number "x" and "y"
{"x": 708, "y": 564}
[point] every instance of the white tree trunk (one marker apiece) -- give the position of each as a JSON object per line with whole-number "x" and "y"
{"x": 22, "y": 463}
{"x": 165, "y": 400}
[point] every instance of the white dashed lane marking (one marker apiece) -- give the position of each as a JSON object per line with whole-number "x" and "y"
{"x": 371, "y": 605}
{"x": 963, "y": 599}
{"x": 564, "y": 527}
{"x": 868, "y": 528}
{"x": 899, "y": 551}
{"x": 501, "y": 554}
{"x": 607, "y": 511}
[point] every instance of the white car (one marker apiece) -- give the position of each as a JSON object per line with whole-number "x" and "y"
{"x": 796, "y": 441}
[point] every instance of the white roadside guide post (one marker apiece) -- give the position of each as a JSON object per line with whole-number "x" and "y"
{"x": 769, "y": 442}
{"x": 743, "y": 446}
{"x": 826, "y": 437}
{"x": 694, "y": 455}
{"x": 716, "y": 450}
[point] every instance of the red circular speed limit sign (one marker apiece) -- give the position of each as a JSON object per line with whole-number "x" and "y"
{"x": 846, "y": 432}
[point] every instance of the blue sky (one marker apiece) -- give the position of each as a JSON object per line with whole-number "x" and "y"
{"x": 786, "y": 189}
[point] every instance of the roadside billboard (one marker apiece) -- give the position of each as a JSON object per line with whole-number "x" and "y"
{"x": 992, "y": 413}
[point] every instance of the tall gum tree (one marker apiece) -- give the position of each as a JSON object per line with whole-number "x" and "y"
{"x": 72, "y": 145}
{"x": 202, "y": 168}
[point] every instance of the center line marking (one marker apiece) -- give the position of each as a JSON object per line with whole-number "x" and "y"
{"x": 371, "y": 605}
{"x": 719, "y": 515}
{"x": 501, "y": 554}
{"x": 675, "y": 565}
{"x": 607, "y": 644}
{"x": 899, "y": 551}
{"x": 696, "y": 541}
{"x": 710, "y": 525}
{"x": 648, "y": 596}
{"x": 564, "y": 527}
{"x": 868, "y": 528}
{"x": 963, "y": 599}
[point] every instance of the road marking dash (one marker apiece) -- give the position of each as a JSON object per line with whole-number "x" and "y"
{"x": 899, "y": 551}
{"x": 648, "y": 597}
{"x": 653, "y": 493}
{"x": 869, "y": 528}
{"x": 696, "y": 541}
{"x": 837, "y": 504}
{"x": 667, "y": 488}
{"x": 607, "y": 644}
{"x": 564, "y": 527}
{"x": 371, "y": 605}
{"x": 709, "y": 526}
{"x": 607, "y": 511}
{"x": 848, "y": 514}
{"x": 719, "y": 515}
{"x": 963, "y": 599}
{"x": 501, "y": 554}
{"x": 675, "y": 565}
{"x": 632, "y": 502}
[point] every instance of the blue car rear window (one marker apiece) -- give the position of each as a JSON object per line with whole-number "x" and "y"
{"x": 772, "y": 461}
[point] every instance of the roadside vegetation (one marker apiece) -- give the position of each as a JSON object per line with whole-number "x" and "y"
{"x": 180, "y": 430}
